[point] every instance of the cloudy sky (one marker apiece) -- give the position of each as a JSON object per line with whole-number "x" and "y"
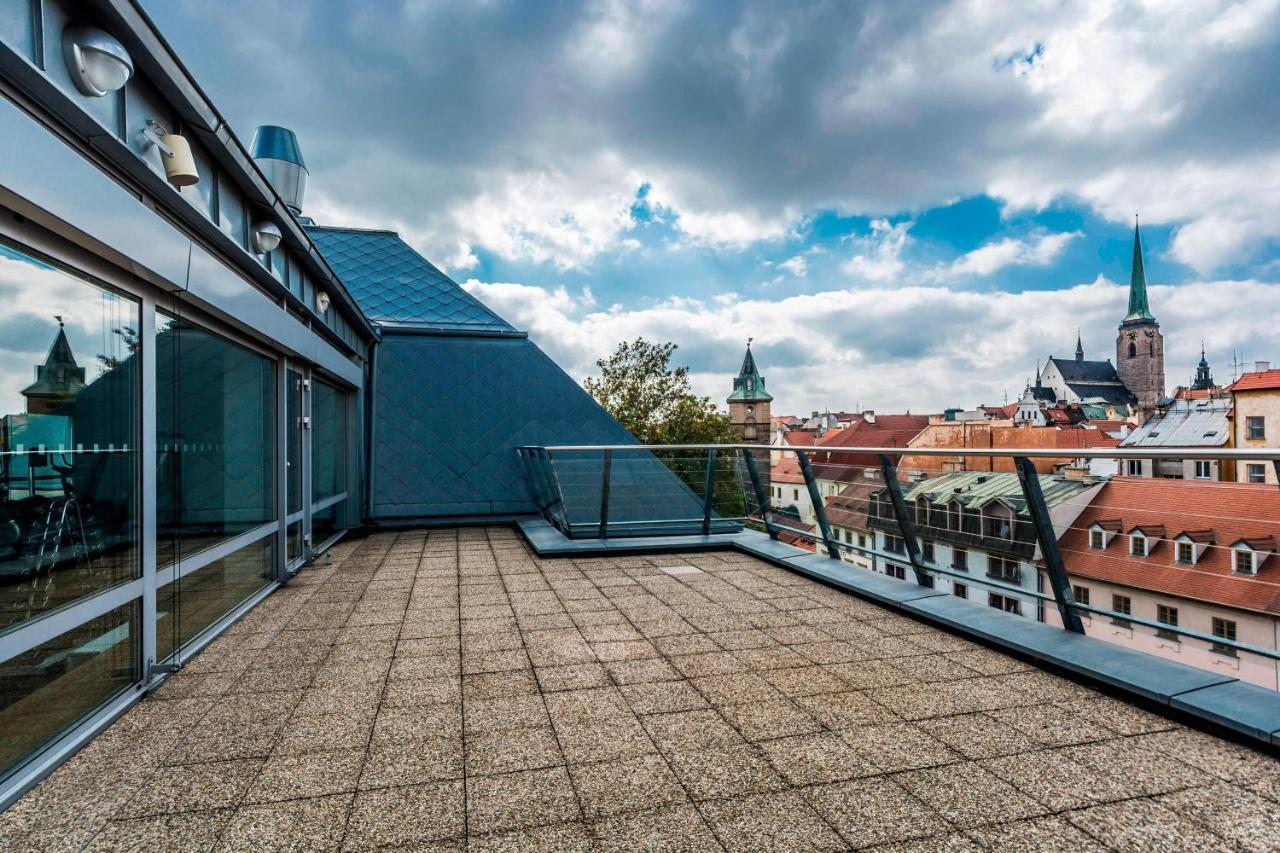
{"x": 905, "y": 204}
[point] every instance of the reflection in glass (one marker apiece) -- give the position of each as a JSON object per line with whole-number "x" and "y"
{"x": 324, "y": 524}
{"x": 68, "y": 439}
{"x": 47, "y": 690}
{"x": 215, "y": 404}
{"x": 294, "y": 548}
{"x": 209, "y": 593}
{"x": 328, "y": 442}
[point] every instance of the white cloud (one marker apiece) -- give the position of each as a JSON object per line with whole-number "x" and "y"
{"x": 918, "y": 348}
{"x": 797, "y": 266}
{"x": 1039, "y": 251}
{"x": 878, "y": 256}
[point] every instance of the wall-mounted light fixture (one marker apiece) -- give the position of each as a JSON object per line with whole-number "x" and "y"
{"x": 98, "y": 63}
{"x": 322, "y": 302}
{"x": 179, "y": 165}
{"x": 266, "y": 236}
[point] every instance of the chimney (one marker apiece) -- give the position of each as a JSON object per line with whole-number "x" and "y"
{"x": 1260, "y": 366}
{"x": 1077, "y": 471}
{"x": 869, "y": 416}
{"x": 276, "y": 151}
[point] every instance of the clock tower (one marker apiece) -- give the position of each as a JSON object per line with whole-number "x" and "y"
{"x": 1139, "y": 344}
{"x": 750, "y": 404}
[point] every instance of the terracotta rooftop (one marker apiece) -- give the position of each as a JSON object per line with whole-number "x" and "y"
{"x": 1234, "y": 511}
{"x": 447, "y": 690}
{"x": 1262, "y": 380}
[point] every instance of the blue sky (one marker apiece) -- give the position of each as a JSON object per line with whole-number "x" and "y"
{"x": 906, "y": 205}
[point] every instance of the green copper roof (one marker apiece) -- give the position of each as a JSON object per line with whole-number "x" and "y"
{"x": 1138, "y": 307}
{"x": 748, "y": 385}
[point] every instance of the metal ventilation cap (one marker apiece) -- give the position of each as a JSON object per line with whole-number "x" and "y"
{"x": 275, "y": 150}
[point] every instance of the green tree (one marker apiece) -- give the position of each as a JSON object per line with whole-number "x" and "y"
{"x": 653, "y": 400}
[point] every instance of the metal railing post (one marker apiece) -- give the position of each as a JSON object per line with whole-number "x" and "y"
{"x": 819, "y": 510}
{"x": 906, "y": 524}
{"x": 708, "y": 487}
{"x": 1030, "y": 480}
{"x": 604, "y": 494}
{"x": 557, "y": 495}
{"x": 762, "y": 497}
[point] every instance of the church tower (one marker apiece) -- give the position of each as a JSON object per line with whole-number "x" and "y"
{"x": 1139, "y": 345}
{"x": 1204, "y": 378}
{"x": 749, "y": 404}
{"x": 57, "y": 380}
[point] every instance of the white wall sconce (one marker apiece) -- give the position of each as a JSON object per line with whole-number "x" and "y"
{"x": 322, "y": 302}
{"x": 98, "y": 63}
{"x": 179, "y": 165}
{"x": 266, "y": 236}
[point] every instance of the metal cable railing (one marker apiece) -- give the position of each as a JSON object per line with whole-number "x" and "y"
{"x": 605, "y": 491}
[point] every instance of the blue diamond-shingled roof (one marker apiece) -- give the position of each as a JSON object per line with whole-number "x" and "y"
{"x": 394, "y": 285}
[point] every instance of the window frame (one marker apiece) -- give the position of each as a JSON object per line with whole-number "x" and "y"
{"x": 1255, "y": 428}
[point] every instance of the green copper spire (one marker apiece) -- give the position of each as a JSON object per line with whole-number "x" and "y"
{"x": 748, "y": 385}
{"x": 1138, "y": 307}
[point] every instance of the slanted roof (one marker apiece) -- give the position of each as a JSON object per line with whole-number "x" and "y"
{"x": 851, "y": 507}
{"x": 748, "y": 385}
{"x": 396, "y": 286}
{"x": 1186, "y": 423}
{"x": 1085, "y": 371}
{"x": 1107, "y": 392}
{"x": 977, "y": 489}
{"x": 1241, "y": 512}
{"x": 1261, "y": 380}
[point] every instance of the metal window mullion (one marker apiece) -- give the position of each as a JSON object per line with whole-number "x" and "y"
{"x": 148, "y": 485}
{"x": 305, "y": 461}
{"x": 280, "y": 559}
{"x": 39, "y": 631}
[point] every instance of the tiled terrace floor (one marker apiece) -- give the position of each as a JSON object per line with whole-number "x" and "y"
{"x": 446, "y": 689}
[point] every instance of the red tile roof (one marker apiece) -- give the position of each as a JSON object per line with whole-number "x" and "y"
{"x": 1233, "y": 511}
{"x": 886, "y": 431}
{"x": 1261, "y": 380}
{"x": 851, "y": 507}
{"x": 785, "y": 471}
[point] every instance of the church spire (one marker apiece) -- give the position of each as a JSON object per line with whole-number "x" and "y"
{"x": 1138, "y": 308}
{"x": 748, "y": 385}
{"x": 1079, "y": 347}
{"x": 1204, "y": 379}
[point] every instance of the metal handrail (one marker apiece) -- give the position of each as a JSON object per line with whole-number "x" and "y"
{"x": 1239, "y": 454}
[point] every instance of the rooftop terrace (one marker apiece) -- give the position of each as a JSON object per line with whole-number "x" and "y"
{"x": 446, "y": 689}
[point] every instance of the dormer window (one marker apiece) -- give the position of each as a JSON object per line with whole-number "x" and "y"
{"x": 1248, "y": 555}
{"x": 1189, "y": 545}
{"x": 1101, "y": 533}
{"x": 1186, "y": 552}
{"x": 1137, "y": 545}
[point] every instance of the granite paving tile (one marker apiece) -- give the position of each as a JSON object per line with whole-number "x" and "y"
{"x": 680, "y": 829}
{"x": 405, "y": 816}
{"x": 967, "y": 795}
{"x": 779, "y": 821}
{"x": 317, "y": 823}
{"x": 517, "y": 800}
{"x": 1145, "y": 825}
{"x": 630, "y": 785}
{"x": 310, "y": 774}
{"x": 869, "y": 812}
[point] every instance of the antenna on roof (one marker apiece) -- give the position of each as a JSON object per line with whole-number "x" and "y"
{"x": 1237, "y": 362}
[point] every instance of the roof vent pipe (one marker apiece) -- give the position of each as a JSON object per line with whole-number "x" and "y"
{"x": 276, "y": 151}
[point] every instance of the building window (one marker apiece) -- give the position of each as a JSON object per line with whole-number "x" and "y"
{"x": 1242, "y": 561}
{"x": 928, "y": 552}
{"x": 960, "y": 590}
{"x": 1133, "y": 350}
{"x": 1123, "y": 607}
{"x": 1133, "y": 467}
{"x": 1137, "y": 545}
{"x": 998, "y": 526}
{"x": 998, "y": 568}
{"x": 893, "y": 570}
{"x": 960, "y": 559}
{"x": 1226, "y": 629}
{"x": 862, "y": 540}
{"x": 1255, "y": 428}
{"x": 1186, "y": 552}
{"x": 1204, "y": 469}
{"x": 848, "y": 537}
{"x": 1257, "y": 472}
{"x": 1080, "y": 594}
{"x": 1166, "y": 615}
{"x": 894, "y": 544}
{"x": 1006, "y": 603}
{"x": 1097, "y": 539}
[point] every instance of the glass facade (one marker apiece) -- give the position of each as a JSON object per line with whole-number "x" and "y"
{"x": 328, "y": 441}
{"x": 215, "y": 430}
{"x": 192, "y": 603}
{"x": 293, "y": 442}
{"x": 48, "y": 689}
{"x": 68, "y": 439}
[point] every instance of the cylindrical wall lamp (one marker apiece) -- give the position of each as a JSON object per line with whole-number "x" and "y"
{"x": 266, "y": 236}
{"x": 179, "y": 164}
